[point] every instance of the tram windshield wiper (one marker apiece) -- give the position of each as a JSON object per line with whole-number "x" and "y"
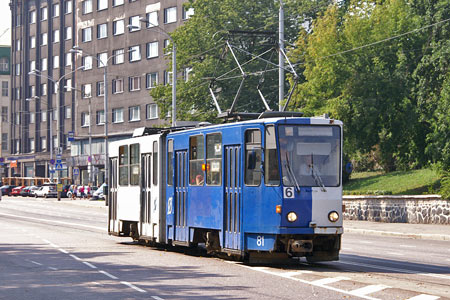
{"x": 291, "y": 174}
{"x": 315, "y": 174}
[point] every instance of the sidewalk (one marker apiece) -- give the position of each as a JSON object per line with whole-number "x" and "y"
{"x": 84, "y": 202}
{"x": 405, "y": 230}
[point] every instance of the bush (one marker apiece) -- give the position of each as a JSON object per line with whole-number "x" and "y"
{"x": 445, "y": 186}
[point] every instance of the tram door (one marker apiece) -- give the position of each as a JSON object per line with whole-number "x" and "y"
{"x": 181, "y": 180}
{"x": 146, "y": 171}
{"x": 233, "y": 198}
{"x": 113, "y": 225}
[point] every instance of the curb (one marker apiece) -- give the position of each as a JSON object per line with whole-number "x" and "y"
{"x": 424, "y": 236}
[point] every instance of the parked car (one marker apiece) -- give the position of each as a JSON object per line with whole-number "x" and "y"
{"x": 7, "y": 189}
{"x": 65, "y": 191}
{"x": 46, "y": 191}
{"x": 98, "y": 194}
{"x": 16, "y": 191}
{"x": 32, "y": 190}
{"x": 25, "y": 191}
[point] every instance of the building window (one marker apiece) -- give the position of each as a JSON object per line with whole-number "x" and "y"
{"x": 4, "y": 141}
{"x": 168, "y": 78}
{"x": 118, "y": 27}
{"x": 84, "y": 119}
{"x": 55, "y": 142}
{"x": 32, "y": 90}
{"x": 18, "y": 93}
{"x": 32, "y": 65}
{"x": 151, "y": 80}
{"x": 87, "y": 62}
{"x": 5, "y": 114}
{"x": 44, "y": 39}
{"x": 102, "y": 31}
{"x": 68, "y": 112}
{"x": 68, "y": 33}
{"x": 187, "y": 14}
{"x": 135, "y": 83}
{"x": 44, "y": 13}
{"x": 4, "y": 64}
{"x": 44, "y": 116}
{"x": 170, "y": 15}
{"x": 18, "y": 67}
{"x": 151, "y": 111}
{"x": 86, "y": 34}
{"x": 135, "y": 24}
{"x": 56, "y": 36}
{"x": 43, "y": 143}
{"x": 32, "y": 42}
{"x": 86, "y": 90}
{"x": 134, "y": 113}
{"x": 119, "y": 56}
{"x": 117, "y": 115}
{"x": 68, "y": 59}
{"x": 44, "y": 64}
{"x": 55, "y": 10}
{"x": 68, "y": 85}
{"x": 100, "y": 118}
{"x": 117, "y": 86}
{"x": 87, "y": 6}
{"x": 118, "y": 2}
{"x": 32, "y": 118}
{"x": 152, "y": 49}
{"x": 31, "y": 140}
{"x": 17, "y": 118}
{"x": 102, "y": 4}
{"x": 100, "y": 88}
{"x": 32, "y": 17}
{"x": 18, "y": 20}
{"x": 18, "y": 44}
{"x": 68, "y": 7}
{"x": 55, "y": 90}
{"x": 134, "y": 53}
{"x": 43, "y": 89}
{"x": 56, "y": 62}
{"x": 152, "y": 19}
{"x": 102, "y": 59}
{"x": 5, "y": 86}
{"x": 17, "y": 145}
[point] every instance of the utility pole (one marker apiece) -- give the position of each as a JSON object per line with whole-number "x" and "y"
{"x": 280, "y": 56}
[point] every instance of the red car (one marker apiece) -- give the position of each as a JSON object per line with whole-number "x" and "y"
{"x": 16, "y": 191}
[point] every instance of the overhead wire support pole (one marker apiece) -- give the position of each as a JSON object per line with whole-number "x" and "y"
{"x": 280, "y": 55}
{"x": 243, "y": 78}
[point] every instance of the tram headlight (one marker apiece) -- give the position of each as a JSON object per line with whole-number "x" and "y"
{"x": 333, "y": 216}
{"x": 292, "y": 216}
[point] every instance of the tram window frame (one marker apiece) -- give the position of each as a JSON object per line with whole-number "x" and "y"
{"x": 155, "y": 163}
{"x": 134, "y": 164}
{"x": 271, "y": 165}
{"x": 196, "y": 160}
{"x": 213, "y": 178}
{"x": 123, "y": 165}
{"x": 253, "y": 146}
{"x": 170, "y": 162}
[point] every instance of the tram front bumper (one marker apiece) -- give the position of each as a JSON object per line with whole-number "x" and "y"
{"x": 328, "y": 230}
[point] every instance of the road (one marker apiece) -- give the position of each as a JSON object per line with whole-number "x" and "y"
{"x": 61, "y": 250}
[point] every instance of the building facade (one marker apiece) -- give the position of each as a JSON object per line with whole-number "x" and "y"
{"x": 61, "y": 50}
{"x": 5, "y": 73}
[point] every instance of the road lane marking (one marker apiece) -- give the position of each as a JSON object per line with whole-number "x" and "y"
{"x": 157, "y": 298}
{"x": 53, "y": 269}
{"x": 133, "y": 286}
{"x": 75, "y": 257}
{"x": 107, "y": 274}
{"x": 63, "y": 251}
{"x": 396, "y": 253}
{"x": 35, "y": 262}
{"x": 365, "y": 242}
{"x": 369, "y": 289}
{"x": 89, "y": 265}
{"x": 54, "y": 221}
{"x": 424, "y": 297}
{"x": 395, "y": 270}
{"x": 50, "y": 243}
{"x": 330, "y": 280}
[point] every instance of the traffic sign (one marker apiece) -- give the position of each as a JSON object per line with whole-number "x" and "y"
{"x": 76, "y": 172}
{"x": 59, "y": 167}
{"x": 71, "y": 136}
{"x": 59, "y": 187}
{"x": 52, "y": 161}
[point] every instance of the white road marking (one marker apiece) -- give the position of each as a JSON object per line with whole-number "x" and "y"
{"x": 330, "y": 280}
{"x": 347, "y": 249}
{"x": 395, "y": 270}
{"x": 369, "y": 289}
{"x": 35, "y": 262}
{"x": 53, "y": 221}
{"x": 63, "y": 251}
{"x": 365, "y": 242}
{"x": 424, "y": 297}
{"x": 75, "y": 257}
{"x": 293, "y": 273}
{"x": 54, "y": 269}
{"x": 50, "y": 243}
{"x": 407, "y": 246}
{"x": 107, "y": 274}
{"x": 133, "y": 286}
{"x": 89, "y": 265}
{"x": 396, "y": 253}
{"x": 157, "y": 298}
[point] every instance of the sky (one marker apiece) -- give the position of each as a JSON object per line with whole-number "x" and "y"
{"x": 5, "y": 22}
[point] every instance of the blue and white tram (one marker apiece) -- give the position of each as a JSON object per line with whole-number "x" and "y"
{"x": 260, "y": 189}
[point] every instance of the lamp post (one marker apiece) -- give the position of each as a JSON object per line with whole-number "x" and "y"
{"x": 56, "y": 84}
{"x": 174, "y": 66}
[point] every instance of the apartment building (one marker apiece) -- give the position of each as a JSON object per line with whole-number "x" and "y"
{"x": 5, "y": 73}
{"x": 61, "y": 50}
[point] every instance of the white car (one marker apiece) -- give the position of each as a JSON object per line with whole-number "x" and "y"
{"x": 46, "y": 191}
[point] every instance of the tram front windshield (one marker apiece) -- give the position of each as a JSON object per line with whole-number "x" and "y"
{"x": 310, "y": 155}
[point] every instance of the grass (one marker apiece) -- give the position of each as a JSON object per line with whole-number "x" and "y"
{"x": 413, "y": 182}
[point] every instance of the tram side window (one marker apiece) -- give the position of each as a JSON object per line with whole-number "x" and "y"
{"x": 253, "y": 157}
{"x": 123, "y": 165}
{"x": 170, "y": 162}
{"x": 134, "y": 164}
{"x": 271, "y": 170}
{"x": 155, "y": 163}
{"x": 196, "y": 159}
{"x": 214, "y": 159}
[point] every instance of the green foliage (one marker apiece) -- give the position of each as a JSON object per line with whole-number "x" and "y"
{"x": 445, "y": 186}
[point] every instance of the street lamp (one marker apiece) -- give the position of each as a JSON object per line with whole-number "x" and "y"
{"x": 174, "y": 66}
{"x": 57, "y": 84}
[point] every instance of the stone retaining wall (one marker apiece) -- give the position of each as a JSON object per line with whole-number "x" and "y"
{"x": 427, "y": 209}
